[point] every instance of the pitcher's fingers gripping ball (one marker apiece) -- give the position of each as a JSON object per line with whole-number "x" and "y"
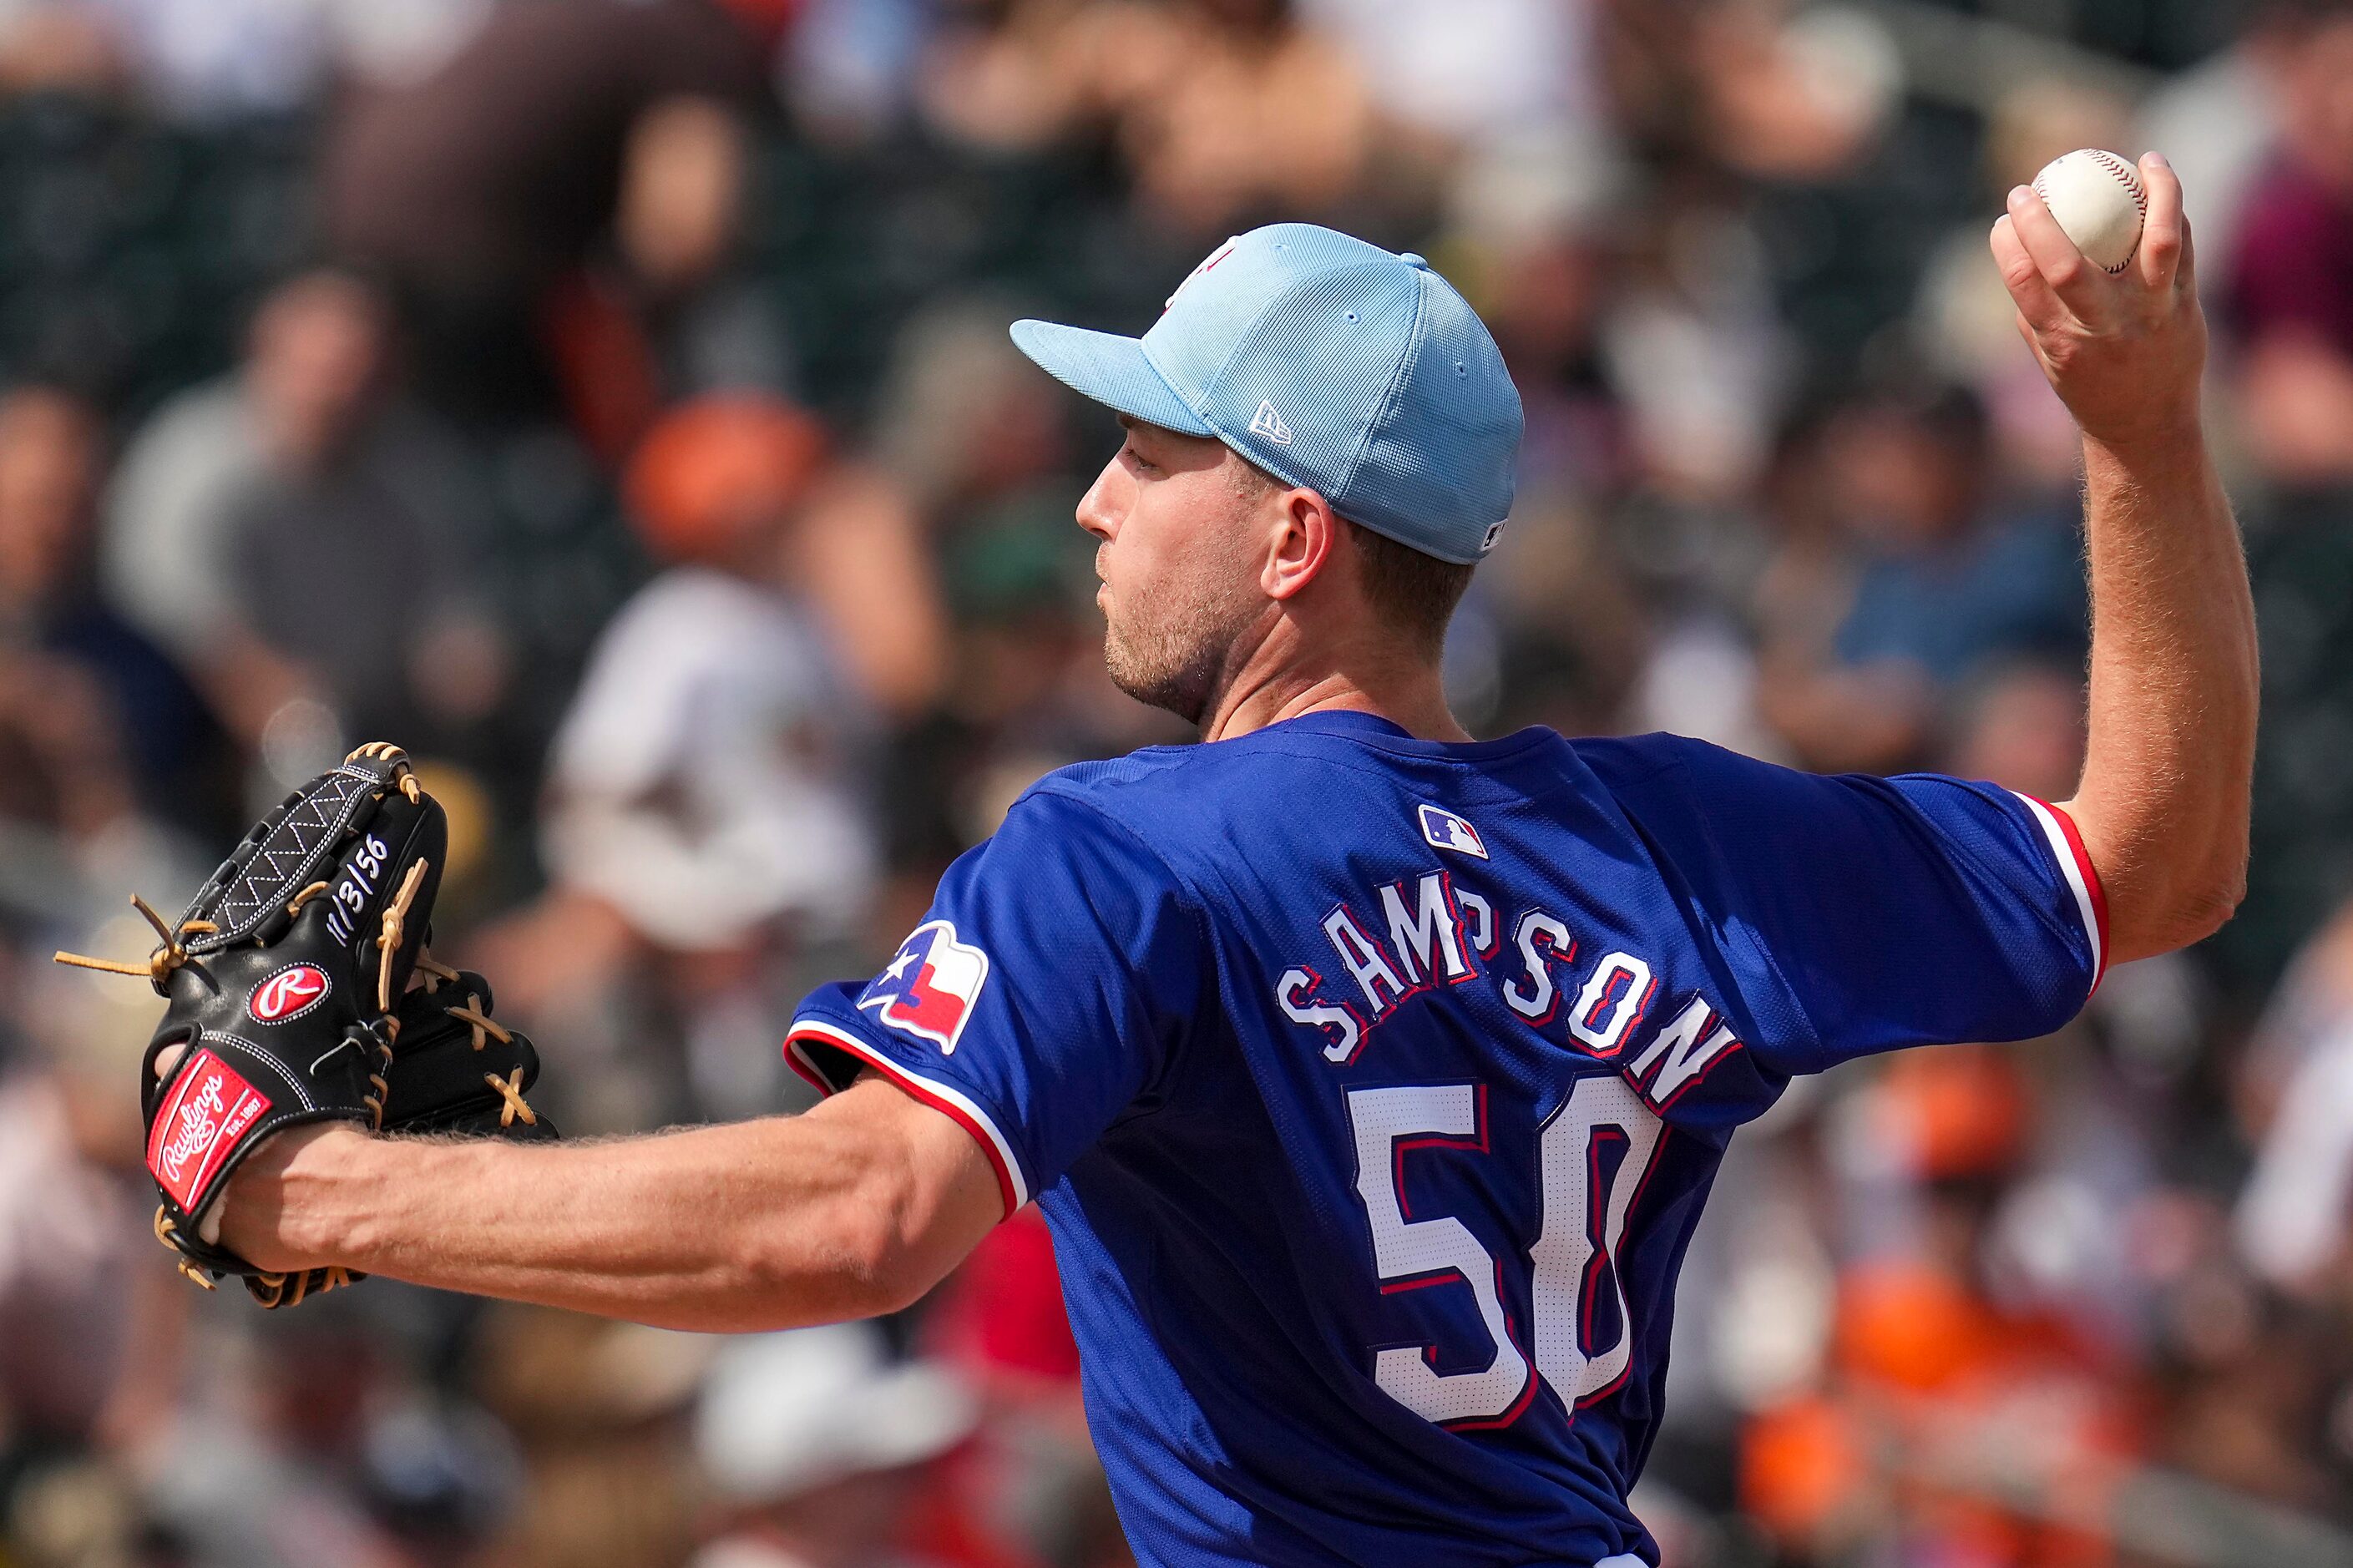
{"x": 286, "y": 982}
{"x": 2115, "y": 327}
{"x": 2099, "y": 203}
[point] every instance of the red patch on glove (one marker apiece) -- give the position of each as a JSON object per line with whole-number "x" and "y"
{"x": 206, "y": 1114}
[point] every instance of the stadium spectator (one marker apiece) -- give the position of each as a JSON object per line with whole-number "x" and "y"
{"x": 283, "y": 1479}
{"x": 1194, "y": 92}
{"x": 61, "y": 648}
{"x": 298, "y": 469}
{"x": 1940, "y": 579}
{"x": 2291, "y": 279}
{"x": 703, "y": 779}
{"x": 89, "y": 1342}
{"x": 706, "y": 794}
{"x": 1959, "y": 1424}
{"x": 481, "y": 187}
{"x": 2296, "y": 1215}
{"x": 659, "y": 314}
{"x": 599, "y": 1411}
{"x": 818, "y": 1448}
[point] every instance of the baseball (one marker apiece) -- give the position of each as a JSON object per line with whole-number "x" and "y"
{"x": 2098, "y": 200}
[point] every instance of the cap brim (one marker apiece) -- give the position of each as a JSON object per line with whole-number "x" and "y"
{"x": 1110, "y": 369}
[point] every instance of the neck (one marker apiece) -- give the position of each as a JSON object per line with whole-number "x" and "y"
{"x": 1269, "y": 687}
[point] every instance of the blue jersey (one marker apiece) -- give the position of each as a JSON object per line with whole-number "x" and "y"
{"x": 1372, "y": 1087}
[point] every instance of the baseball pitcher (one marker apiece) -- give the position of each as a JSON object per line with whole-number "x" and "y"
{"x": 1372, "y": 1078}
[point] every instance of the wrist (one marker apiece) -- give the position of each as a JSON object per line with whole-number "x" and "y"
{"x": 2166, "y": 440}
{"x": 324, "y": 1185}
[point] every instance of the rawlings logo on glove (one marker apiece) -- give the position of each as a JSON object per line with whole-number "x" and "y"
{"x": 289, "y": 993}
{"x": 208, "y": 1109}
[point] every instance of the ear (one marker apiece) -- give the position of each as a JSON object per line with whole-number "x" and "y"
{"x": 1302, "y": 537}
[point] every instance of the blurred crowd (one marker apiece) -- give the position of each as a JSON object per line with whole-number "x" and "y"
{"x": 609, "y": 401}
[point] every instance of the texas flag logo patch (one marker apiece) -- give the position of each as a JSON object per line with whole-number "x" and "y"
{"x": 930, "y": 987}
{"x": 1444, "y": 830}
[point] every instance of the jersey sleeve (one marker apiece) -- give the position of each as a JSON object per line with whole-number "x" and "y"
{"x": 1857, "y": 914}
{"x": 1039, "y": 999}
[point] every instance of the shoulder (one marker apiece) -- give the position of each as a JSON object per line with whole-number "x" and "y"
{"x": 1173, "y": 797}
{"x": 205, "y": 413}
{"x": 1126, "y": 798}
{"x": 1164, "y": 813}
{"x": 1695, "y": 799}
{"x": 1084, "y": 863}
{"x": 1632, "y": 763}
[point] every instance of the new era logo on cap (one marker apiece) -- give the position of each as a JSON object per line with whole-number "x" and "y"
{"x": 1266, "y": 422}
{"x": 1444, "y": 830}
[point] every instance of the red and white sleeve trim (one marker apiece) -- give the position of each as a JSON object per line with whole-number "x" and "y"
{"x": 2083, "y": 879}
{"x": 943, "y": 1098}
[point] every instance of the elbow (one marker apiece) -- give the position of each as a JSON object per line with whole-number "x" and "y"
{"x": 2208, "y": 907}
{"x": 2215, "y": 894}
{"x": 2198, "y": 907}
{"x": 853, "y": 1256}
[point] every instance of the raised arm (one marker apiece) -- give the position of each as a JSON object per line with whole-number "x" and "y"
{"x": 2162, "y": 806}
{"x": 855, "y": 1208}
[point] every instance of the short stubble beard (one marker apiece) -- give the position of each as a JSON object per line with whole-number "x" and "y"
{"x": 1169, "y": 649}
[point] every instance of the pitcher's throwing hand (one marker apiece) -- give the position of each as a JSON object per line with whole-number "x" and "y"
{"x": 2124, "y": 351}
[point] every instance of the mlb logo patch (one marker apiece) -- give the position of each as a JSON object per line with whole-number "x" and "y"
{"x": 930, "y": 987}
{"x": 1444, "y": 830}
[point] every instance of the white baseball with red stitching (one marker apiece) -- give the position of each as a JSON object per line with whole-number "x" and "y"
{"x": 2098, "y": 200}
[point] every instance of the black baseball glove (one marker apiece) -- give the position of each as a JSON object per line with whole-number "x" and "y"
{"x": 287, "y": 981}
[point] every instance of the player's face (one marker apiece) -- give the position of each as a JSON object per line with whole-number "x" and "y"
{"x": 1177, "y": 556}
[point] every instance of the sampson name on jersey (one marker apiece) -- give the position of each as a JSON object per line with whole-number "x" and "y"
{"x": 1372, "y": 1087}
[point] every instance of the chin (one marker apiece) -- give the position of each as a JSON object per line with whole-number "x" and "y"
{"x": 1167, "y": 691}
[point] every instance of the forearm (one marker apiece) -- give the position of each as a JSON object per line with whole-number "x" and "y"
{"x": 760, "y": 1225}
{"x": 2164, "y": 799}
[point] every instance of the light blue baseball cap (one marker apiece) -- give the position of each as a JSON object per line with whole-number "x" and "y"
{"x": 1333, "y": 365}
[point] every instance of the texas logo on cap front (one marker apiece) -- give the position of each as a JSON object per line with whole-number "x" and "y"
{"x": 930, "y": 985}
